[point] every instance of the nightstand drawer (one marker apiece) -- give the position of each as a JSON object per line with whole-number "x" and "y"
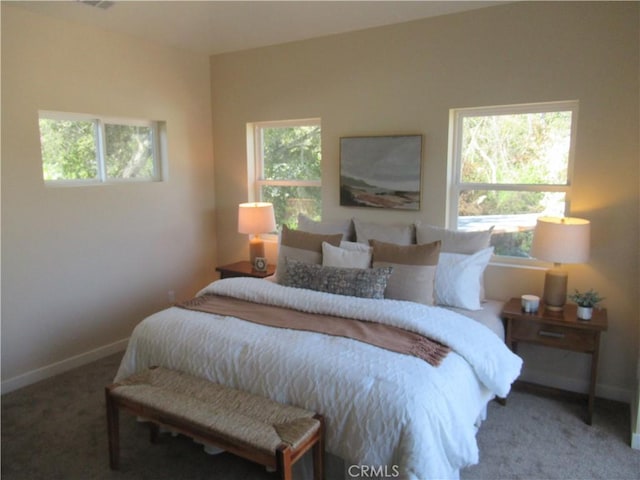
{"x": 554, "y": 336}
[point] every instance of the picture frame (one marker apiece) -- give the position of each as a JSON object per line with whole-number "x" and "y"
{"x": 381, "y": 171}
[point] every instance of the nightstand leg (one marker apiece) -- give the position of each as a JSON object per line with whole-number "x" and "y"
{"x": 594, "y": 376}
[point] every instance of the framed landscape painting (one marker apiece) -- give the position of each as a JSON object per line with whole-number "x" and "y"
{"x": 381, "y": 172}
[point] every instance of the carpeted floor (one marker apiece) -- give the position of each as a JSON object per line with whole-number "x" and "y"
{"x": 56, "y": 429}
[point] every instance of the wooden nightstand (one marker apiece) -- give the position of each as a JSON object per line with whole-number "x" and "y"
{"x": 243, "y": 269}
{"x": 559, "y": 330}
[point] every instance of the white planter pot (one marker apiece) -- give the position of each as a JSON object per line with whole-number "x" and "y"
{"x": 584, "y": 313}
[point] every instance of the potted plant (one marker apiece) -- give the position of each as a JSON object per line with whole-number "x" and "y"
{"x": 585, "y": 301}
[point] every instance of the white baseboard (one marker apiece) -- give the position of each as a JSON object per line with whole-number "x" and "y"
{"x": 62, "y": 366}
{"x": 576, "y": 385}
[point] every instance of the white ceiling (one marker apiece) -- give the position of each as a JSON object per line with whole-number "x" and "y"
{"x": 213, "y": 27}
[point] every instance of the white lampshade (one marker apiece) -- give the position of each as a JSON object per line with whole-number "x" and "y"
{"x": 561, "y": 240}
{"x": 256, "y": 217}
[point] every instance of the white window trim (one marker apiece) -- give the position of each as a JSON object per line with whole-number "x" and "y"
{"x": 255, "y": 162}
{"x": 99, "y": 121}
{"x": 455, "y": 186}
{"x": 255, "y": 140}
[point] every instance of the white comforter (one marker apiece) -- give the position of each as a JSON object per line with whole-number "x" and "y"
{"x": 382, "y": 408}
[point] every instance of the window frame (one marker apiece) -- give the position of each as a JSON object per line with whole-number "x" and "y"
{"x": 456, "y": 186}
{"x": 255, "y": 164}
{"x": 99, "y": 123}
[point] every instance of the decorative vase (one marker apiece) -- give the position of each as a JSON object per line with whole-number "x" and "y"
{"x": 584, "y": 313}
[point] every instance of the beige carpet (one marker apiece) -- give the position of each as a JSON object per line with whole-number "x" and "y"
{"x": 56, "y": 429}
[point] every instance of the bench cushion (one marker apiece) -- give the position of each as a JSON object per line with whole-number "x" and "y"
{"x": 236, "y": 416}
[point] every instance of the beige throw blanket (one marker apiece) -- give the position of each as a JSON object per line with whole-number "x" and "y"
{"x": 383, "y": 336}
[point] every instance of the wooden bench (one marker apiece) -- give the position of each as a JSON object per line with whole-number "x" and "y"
{"x": 252, "y": 427}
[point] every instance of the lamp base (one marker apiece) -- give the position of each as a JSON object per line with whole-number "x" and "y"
{"x": 256, "y": 249}
{"x": 555, "y": 289}
{"x": 554, "y": 308}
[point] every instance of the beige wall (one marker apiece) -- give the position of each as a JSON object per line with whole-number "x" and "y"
{"x": 83, "y": 265}
{"x": 405, "y": 78}
{"x": 635, "y": 405}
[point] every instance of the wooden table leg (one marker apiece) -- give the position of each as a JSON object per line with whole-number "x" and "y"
{"x": 594, "y": 376}
{"x": 318, "y": 451}
{"x": 283, "y": 460}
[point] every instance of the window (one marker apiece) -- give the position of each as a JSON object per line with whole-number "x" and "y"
{"x": 78, "y": 148}
{"x": 286, "y": 168}
{"x": 510, "y": 165}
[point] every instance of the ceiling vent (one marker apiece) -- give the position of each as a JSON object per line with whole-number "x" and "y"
{"x": 103, "y": 4}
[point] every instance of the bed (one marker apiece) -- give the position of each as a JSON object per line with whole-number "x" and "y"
{"x": 383, "y": 409}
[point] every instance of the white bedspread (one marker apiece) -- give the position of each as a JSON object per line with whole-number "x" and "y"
{"x": 382, "y": 408}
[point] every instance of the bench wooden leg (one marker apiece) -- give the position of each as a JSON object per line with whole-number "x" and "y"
{"x": 113, "y": 429}
{"x": 284, "y": 455}
{"x": 283, "y": 460}
{"x": 318, "y": 451}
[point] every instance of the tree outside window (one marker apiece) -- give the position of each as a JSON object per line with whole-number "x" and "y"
{"x": 511, "y": 165}
{"x": 288, "y": 168}
{"x": 80, "y": 148}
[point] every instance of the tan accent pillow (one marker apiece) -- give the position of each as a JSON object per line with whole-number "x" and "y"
{"x": 302, "y": 246}
{"x": 414, "y": 269}
{"x": 454, "y": 241}
{"x": 399, "y": 234}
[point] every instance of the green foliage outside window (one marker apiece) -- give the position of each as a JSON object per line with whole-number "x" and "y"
{"x": 525, "y": 149}
{"x": 71, "y": 150}
{"x": 68, "y": 149}
{"x": 292, "y": 154}
{"x": 129, "y": 151}
{"x": 519, "y": 154}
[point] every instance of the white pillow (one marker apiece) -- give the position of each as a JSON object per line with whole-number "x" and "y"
{"x": 355, "y": 246}
{"x": 341, "y": 257}
{"x": 459, "y": 279}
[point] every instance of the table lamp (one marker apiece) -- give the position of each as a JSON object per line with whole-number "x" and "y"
{"x": 253, "y": 219}
{"x": 559, "y": 240}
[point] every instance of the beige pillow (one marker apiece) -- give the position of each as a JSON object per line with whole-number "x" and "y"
{"x": 398, "y": 234}
{"x": 414, "y": 269}
{"x": 302, "y": 246}
{"x": 454, "y": 241}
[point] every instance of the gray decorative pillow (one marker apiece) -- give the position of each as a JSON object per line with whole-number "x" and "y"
{"x": 345, "y": 227}
{"x": 454, "y": 241}
{"x": 401, "y": 234}
{"x": 354, "y": 282}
